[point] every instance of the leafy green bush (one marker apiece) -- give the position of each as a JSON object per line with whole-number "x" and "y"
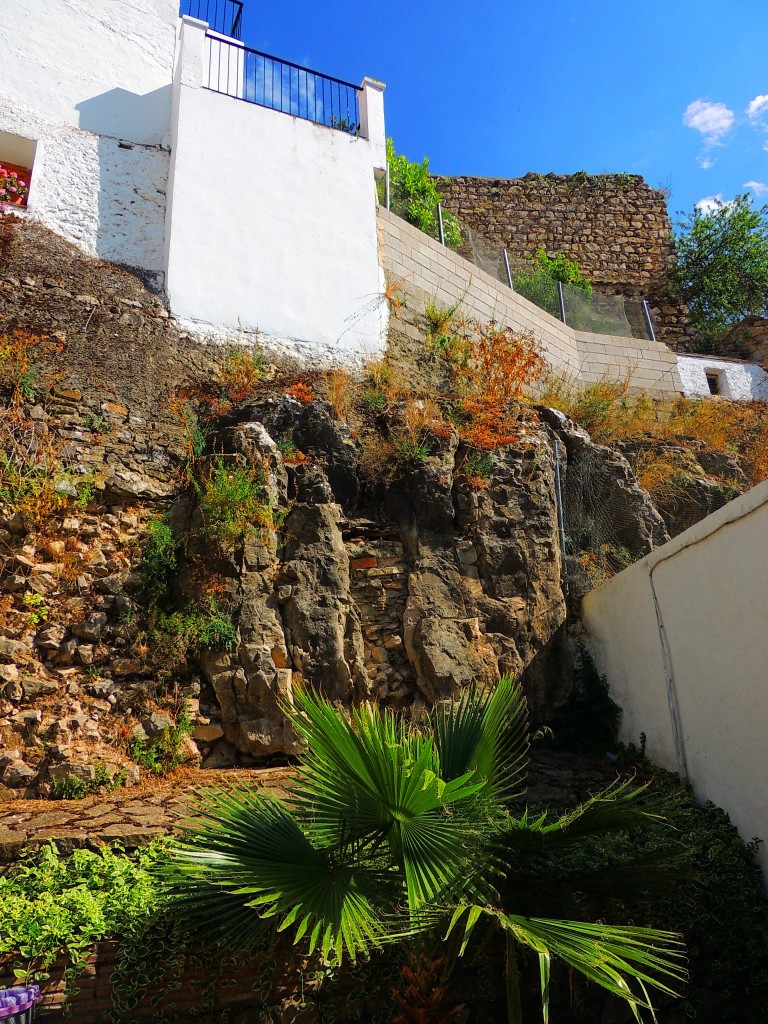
{"x": 591, "y": 720}
{"x": 73, "y": 788}
{"x": 218, "y": 633}
{"x": 175, "y": 636}
{"x": 414, "y": 197}
{"x": 159, "y": 560}
{"x": 717, "y": 902}
{"x": 52, "y": 907}
{"x": 233, "y": 500}
{"x": 539, "y": 284}
{"x": 722, "y": 266}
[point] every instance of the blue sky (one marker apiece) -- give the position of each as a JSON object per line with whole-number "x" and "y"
{"x": 676, "y": 91}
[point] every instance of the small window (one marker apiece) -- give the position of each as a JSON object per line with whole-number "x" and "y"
{"x": 17, "y": 155}
{"x": 713, "y": 382}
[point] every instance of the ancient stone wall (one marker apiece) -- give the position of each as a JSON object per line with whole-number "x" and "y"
{"x": 613, "y": 225}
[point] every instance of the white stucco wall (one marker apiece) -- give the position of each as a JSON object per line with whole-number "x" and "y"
{"x": 102, "y": 65}
{"x": 86, "y": 87}
{"x": 712, "y": 592}
{"x": 95, "y": 192}
{"x": 271, "y": 222}
{"x": 737, "y": 380}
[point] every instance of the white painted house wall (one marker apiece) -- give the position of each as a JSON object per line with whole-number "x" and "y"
{"x": 736, "y": 379}
{"x": 102, "y": 65}
{"x": 284, "y": 241}
{"x": 711, "y": 602}
{"x": 85, "y": 87}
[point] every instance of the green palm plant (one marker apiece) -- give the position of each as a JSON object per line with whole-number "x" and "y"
{"x": 398, "y": 827}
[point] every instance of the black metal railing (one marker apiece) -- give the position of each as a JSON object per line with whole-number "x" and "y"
{"x": 255, "y": 77}
{"x": 225, "y": 16}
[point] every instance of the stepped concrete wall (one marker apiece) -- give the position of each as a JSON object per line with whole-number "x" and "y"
{"x": 684, "y": 628}
{"x": 613, "y": 225}
{"x": 424, "y": 270}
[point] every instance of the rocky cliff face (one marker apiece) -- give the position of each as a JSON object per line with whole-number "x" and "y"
{"x": 402, "y": 584}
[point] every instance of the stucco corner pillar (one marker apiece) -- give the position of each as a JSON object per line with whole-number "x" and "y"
{"x": 372, "y": 122}
{"x": 190, "y": 64}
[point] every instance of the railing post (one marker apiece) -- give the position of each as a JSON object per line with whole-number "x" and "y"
{"x": 236, "y": 24}
{"x": 191, "y": 60}
{"x": 562, "y": 300}
{"x": 648, "y": 321}
{"x": 440, "y": 223}
{"x": 371, "y": 98}
{"x": 509, "y": 271}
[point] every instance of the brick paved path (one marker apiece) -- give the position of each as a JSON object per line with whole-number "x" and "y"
{"x": 130, "y": 816}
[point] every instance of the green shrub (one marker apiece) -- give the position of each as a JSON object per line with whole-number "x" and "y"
{"x": 414, "y": 197}
{"x": 218, "y": 633}
{"x": 159, "y": 560}
{"x": 161, "y": 755}
{"x": 233, "y": 500}
{"x": 412, "y": 451}
{"x": 176, "y": 636}
{"x": 717, "y": 902}
{"x": 75, "y": 789}
{"x": 539, "y": 284}
{"x": 478, "y": 464}
{"x": 591, "y": 720}
{"x": 52, "y": 907}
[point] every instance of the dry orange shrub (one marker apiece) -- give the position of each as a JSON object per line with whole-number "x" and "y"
{"x": 500, "y": 366}
{"x": 241, "y": 371}
{"x": 340, "y": 389}
{"x": 21, "y": 354}
{"x": 302, "y": 392}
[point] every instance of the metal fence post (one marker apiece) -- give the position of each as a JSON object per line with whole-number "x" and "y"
{"x": 648, "y": 321}
{"x": 509, "y": 272}
{"x": 386, "y": 185}
{"x": 562, "y": 301}
{"x": 440, "y": 223}
{"x": 560, "y": 519}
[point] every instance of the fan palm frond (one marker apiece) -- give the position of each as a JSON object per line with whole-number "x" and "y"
{"x": 246, "y": 863}
{"x": 487, "y": 733}
{"x": 625, "y": 960}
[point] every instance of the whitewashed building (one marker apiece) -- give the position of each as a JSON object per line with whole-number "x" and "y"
{"x": 130, "y": 124}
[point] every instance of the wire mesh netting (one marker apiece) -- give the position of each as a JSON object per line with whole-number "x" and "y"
{"x": 600, "y": 523}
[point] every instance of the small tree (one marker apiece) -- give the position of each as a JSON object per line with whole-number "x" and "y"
{"x": 539, "y": 284}
{"x": 722, "y": 265}
{"x": 414, "y": 197}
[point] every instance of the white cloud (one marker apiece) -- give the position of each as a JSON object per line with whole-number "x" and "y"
{"x": 710, "y": 203}
{"x": 758, "y": 187}
{"x": 713, "y": 120}
{"x": 757, "y": 109}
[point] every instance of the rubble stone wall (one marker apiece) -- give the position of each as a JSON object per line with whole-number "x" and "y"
{"x": 615, "y": 226}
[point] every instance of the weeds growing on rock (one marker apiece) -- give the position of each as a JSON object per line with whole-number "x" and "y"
{"x": 159, "y": 560}
{"x": 233, "y": 500}
{"x": 164, "y": 753}
{"x": 608, "y": 411}
{"x": 21, "y": 355}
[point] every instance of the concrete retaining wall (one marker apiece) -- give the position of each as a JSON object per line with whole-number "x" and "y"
{"x": 424, "y": 270}
{"x": 706, "y": 594}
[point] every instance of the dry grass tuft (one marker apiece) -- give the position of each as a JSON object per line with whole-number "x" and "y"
{"x": 609, "y": 412}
